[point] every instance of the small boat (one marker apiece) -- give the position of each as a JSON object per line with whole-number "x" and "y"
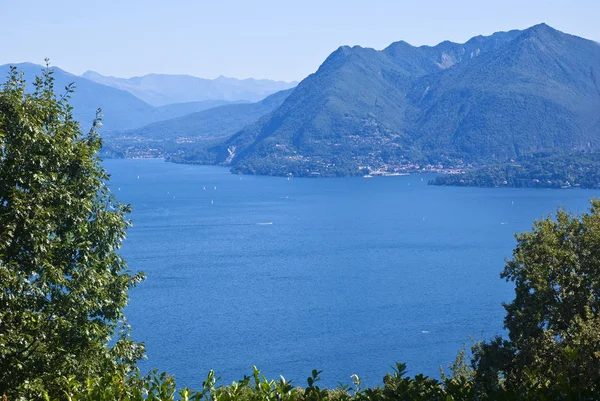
{"x": 268, "y": 223}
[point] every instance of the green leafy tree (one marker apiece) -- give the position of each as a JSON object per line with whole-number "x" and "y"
{"x": 63, "y": 284}
{"x": 554, "y": 320}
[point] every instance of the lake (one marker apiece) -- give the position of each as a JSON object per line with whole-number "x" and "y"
{"x": 343, "y": 275}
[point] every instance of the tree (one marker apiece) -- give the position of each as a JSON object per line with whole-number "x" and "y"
{"x": 64, "y": 286}
{"x": 554, "y": 320}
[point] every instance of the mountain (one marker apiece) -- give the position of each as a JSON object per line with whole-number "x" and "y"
{"x": 540, "y": 92}
{"x": 121, "y": 110}
{"x": 179, "y": 138}
{"x": 119, "y": 107}
{"x": 218, "y": 121}
{"x": 489, "y": 99}
{"x": 163, "y": 89}
{"x": 175, "y": 110}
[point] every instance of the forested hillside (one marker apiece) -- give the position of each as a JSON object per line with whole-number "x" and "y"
{"x": 490, "y": 99}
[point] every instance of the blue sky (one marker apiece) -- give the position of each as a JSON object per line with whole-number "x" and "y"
{"x": 276, "y": 39}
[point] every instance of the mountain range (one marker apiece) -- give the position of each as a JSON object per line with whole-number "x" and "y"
{"x": 487, "y": 100}
{"x": 163, "y": 89}
{"x": 491, "y": 100}
{"x": 123, "y": 110}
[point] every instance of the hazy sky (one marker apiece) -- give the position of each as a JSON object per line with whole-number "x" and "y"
{"x": 274, "y": 39}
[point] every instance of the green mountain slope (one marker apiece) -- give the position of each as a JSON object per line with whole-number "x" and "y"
{"x": 493, "y": 97}
{"x": 319, "y": 119}
{"x": 539, "y": 92}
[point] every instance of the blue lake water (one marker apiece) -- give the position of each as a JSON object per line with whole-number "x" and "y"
{"x": 343, "y": 275}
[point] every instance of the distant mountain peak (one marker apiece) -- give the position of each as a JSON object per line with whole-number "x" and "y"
{"x": 401, "y": 44}
{"x": 343, "y": 50}
{"x": 337, "y": 58}
{"x": 164, "y": 89}
{"x": 542, "y": 30}
{"x": 542, "y": 26}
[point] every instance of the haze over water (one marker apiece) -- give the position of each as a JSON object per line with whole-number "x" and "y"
{"x": 343, "y": 275}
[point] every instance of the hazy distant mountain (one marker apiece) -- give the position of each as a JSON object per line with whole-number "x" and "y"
{"x": 121, "y": 110}
{"x": 162, "y": 89}
{"x": 175, "y": 110}
{"x": 489, "y": 99}
{"x": 214, "y": 122}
